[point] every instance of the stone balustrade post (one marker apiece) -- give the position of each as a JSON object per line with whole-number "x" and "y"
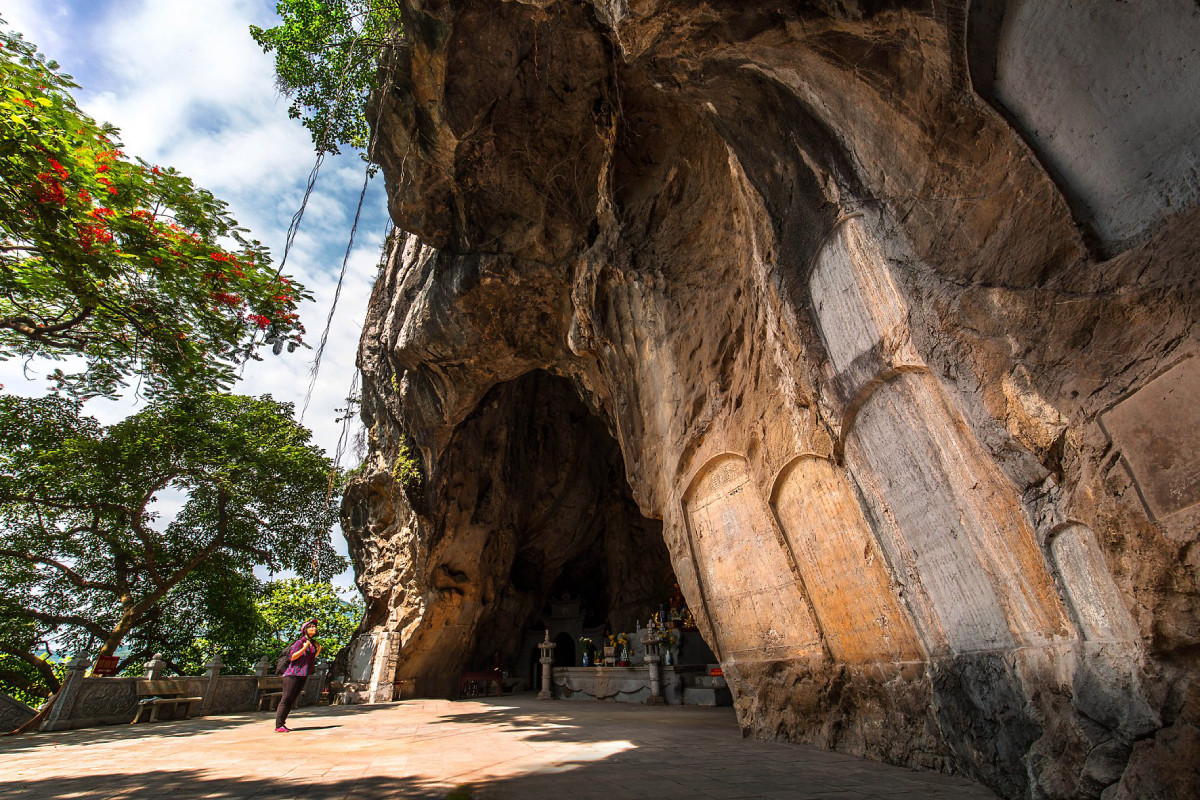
{"x": 547, "y": 660}
{"x": 213, "y": 674}
{"x": 213, "y": 668}
{"x": 155, "y": 667}
{"x": 262, "y": 667}
{"x": 59, "y": 718}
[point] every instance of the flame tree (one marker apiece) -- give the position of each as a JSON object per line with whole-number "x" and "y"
{"x": 127, "y": 265}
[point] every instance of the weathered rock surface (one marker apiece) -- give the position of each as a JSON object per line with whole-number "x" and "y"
{"x": 850, "y": 315}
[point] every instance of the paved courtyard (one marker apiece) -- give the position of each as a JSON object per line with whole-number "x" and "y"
{"x": 496, "y": 749}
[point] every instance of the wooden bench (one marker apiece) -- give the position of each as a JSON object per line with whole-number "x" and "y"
{"x": 155, "y": 696}
{"x": 268, "y": 692}
{"x": 476, "y": 684}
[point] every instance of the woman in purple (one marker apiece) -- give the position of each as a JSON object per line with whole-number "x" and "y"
{"x": 302, "y": 656}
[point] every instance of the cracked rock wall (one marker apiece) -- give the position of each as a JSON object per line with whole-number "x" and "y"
{"x": 850, "y": 315}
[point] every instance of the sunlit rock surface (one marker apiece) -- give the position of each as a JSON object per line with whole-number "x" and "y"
{"x": 873, "y": 324}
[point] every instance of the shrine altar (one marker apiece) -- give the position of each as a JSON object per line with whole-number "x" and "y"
{"x": 632, "y": 684}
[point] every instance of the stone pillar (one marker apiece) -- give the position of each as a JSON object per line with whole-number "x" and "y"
{"x": 59, "y": 718}
{"x": 316, "y": 682}
{"x": 547, "y": 660}
{"x": 262, "y": 667}
{"x": 212, "y": 672}
{"x": 650, "y": 640}
{"x": 383, "y": 671}
{"x": 155, "y": 667}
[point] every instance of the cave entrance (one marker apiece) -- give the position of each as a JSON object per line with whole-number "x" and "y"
{"x": 566, "y": 548}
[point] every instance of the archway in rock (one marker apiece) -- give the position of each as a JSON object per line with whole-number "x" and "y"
{"x": 537, "y": 508}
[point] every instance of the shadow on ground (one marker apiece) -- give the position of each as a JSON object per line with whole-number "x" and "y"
{"x": 157, "y": 730}
{"x": 620, "y": 751}
{"x": 188, "y": 784}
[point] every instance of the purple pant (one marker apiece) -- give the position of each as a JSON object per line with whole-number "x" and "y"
{"x": 292, "y": 684}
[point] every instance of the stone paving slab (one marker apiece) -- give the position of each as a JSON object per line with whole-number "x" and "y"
{"x": 487, "y": 749}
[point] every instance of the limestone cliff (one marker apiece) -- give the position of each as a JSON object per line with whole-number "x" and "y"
{"x": 874, "y": 324}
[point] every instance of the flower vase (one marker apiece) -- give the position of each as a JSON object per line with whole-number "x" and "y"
{"x": 585, "y": 659}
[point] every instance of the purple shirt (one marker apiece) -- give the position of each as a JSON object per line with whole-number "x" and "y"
{"x": 302, "y": 667}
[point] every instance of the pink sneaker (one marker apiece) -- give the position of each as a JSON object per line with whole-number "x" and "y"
{"x": 283, "y": 729}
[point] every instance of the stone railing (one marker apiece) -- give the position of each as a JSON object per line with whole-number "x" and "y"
{"x": 13, "y": 713}
{"x": 84, "y": 702}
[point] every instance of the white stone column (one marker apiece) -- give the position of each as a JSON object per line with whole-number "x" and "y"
{"x": 547, "y": 660}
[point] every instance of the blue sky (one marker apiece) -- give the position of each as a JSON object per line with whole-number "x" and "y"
{"x": 189, "y": 88}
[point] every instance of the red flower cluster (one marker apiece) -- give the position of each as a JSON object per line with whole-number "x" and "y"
{"x": 111, "y": 189}
{"x": 50, "y": 189}
{"x": 259, "y": 320}
{"x": 59, "y": 169}
{"x": 90, "y": 235}
{"x": 226, "y": 258}
{"x": 224, "y": 298}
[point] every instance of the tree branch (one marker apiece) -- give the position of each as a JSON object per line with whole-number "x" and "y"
{"x": 68, "y": 619}
{"x": 22, "y": 681}
{"x": 71, "y": 575}
{"x": 62, "y": 505}
{"x": 39, "y": 332}
{"x": 38, "y": 664}
{"x": 143, "y": 533}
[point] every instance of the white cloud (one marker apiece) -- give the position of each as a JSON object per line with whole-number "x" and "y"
{"x": 189, "y": 88}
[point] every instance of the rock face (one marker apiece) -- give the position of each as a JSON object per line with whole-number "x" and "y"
{"x": 873, "y": 324}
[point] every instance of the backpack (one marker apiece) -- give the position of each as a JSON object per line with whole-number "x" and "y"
{"x": 284, "y": 659}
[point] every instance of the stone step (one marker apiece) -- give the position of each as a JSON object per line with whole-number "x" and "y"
{"x": 700, "y": 696}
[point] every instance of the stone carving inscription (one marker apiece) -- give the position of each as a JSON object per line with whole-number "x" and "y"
{"x": 1093, "y": 597}
{"x": 854, "y": 296}
{"x": 955, "y": 518}
{"x": 844, "y": 573}
{"x": 755, "y": 602}
{"x": 1158, "y": 431}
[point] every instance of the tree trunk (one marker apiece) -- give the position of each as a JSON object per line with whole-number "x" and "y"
{"x": 134, "y": 614}
{"x": 128, "y": 618}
